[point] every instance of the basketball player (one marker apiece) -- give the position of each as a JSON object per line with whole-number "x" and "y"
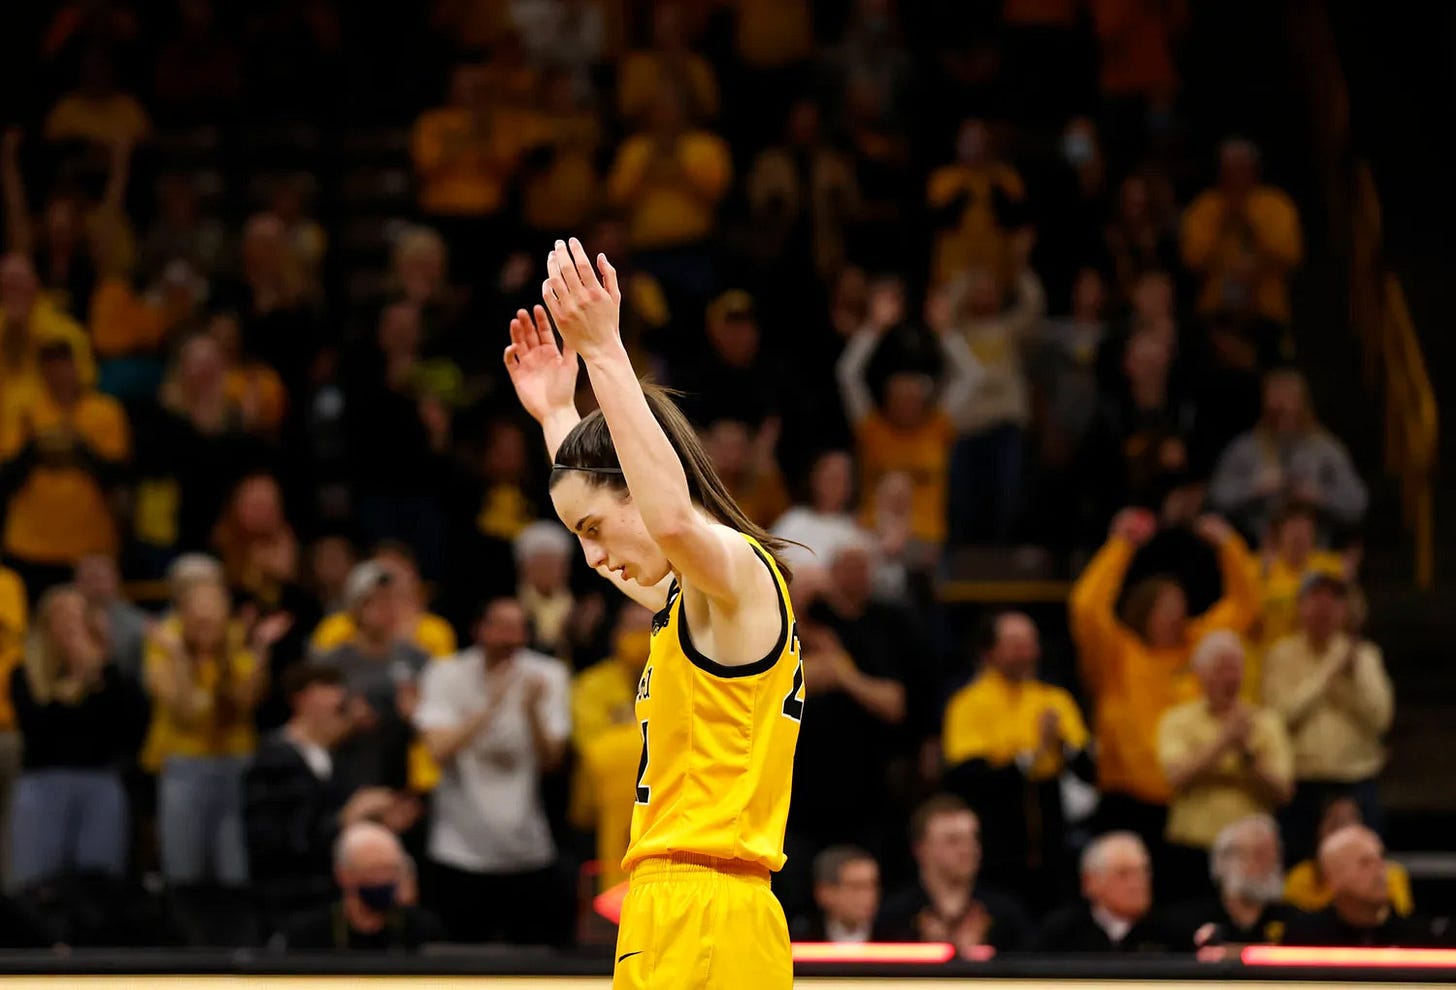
{"x": 721, "y": 697}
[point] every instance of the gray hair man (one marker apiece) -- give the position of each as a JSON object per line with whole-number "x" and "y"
{"x": 1246, "y": 863}
{"x": 1116, "y": 912}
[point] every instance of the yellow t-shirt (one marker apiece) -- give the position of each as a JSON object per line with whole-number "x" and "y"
{"x": 1200, "y": 811}
{"x": 565, "y": 195}
{"x": 118, "y": 117}
{"x": 923, "y": 453}
{"x": 461, "y": 172}
{"x": 14, "y": 614}
{"x": 1306, "y": 890}
{"x": 671, "y": 197}
{"x": 171, "y": 735}
{"x": 1215, "y": 248}
{"x": 602, "y": 796}
{"x": 995, "y": 719}
{"x": 977, "y": 238}
{"x": 60, "y": 513}
{"x": 431, "y": 633}
{"x": 643, "y": 74}
{"x": 20, "y": 370}
{"x": 717, "y": 756}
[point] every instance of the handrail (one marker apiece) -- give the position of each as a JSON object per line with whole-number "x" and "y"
{"x": 1396, "y": 366}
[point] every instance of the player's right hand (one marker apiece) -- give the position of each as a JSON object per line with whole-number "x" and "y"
{"x": 543, "y": 374}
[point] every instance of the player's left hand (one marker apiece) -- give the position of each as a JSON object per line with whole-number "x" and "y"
{"x": 585, "y": 308}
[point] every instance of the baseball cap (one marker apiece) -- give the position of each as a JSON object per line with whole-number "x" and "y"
{"x": 1323, "y": 579}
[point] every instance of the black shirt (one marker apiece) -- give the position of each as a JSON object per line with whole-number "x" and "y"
{"x": 1328, "y": 929}
{"x": 1187, "y": 920}
{"x": 406, "y": 929}
{"x": 103, "y": 730}
{"x": 898, "y": 920}
{"x": 1072, "y": 929}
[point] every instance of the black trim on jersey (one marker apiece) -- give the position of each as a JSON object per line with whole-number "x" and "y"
{"x": 663, "y": 616}
{"x": 685, "y": 638}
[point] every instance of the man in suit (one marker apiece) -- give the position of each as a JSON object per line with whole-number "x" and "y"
{"x": 847, "y": 892}
{"x": 1116, "y": 912}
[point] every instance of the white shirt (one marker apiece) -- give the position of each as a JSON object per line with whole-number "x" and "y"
{"x": 487, "y": 815}
{"x": 318, "y": 759}
{"x": 836, "y": 932}
{"x": 1116, "y": 928}
{"x": 822, "y": 532}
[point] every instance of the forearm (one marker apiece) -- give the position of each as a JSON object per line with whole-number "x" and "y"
{"x": 881, "y": 697}
{"x": 1190, "y": 771}
{"x": 549, "y": 750}
{"x": 556, "y": 426}
{"x": 445, "y": 744}
{"x": 653, "y": 473}
{"x": 858, "y": 402}
{"x": 1269, "y": 786}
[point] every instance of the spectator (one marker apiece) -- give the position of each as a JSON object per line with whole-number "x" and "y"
{"x": 62, "y": 451}
{"x": 1116, "y": 913}
{"x": 734, "y": 379}
{"x": 1352, "y": 861}
{"x": 27, "y": 324}
{"x": 975, "y": 204}
{"x": 496, "y": 717}
{"x": 417, "y": 625}
{"x": 1140, "y": 236}
{"x": 99, "y": 582}
{"x": 128, "y": 328}
{"x": 96, "y": 111}
{"x": 608, "y": 741}
{"x": 570, "y": 34}
{"x": 823, "y": 524}
{"x": 371, "y": 869}
{"x": 1246, "y": 869}
{"x": 1287, "y": 456}
{"x": 199, "y": 71}
{"x": 803, "y": 197}
{"x": 466, "y": 156}
{"x": 254, "y": 541}
{"x": 668, "y": 178}
{"x": 1063, "y": 369}
{"x": 14, "y": 620}
{"x": 381, "y": 671}
{"x": 745, "y": 461}
{"x": 252, "y": 386}
{"x": 1006, "y": 741}
{"x": 945, "y": 903}
{"x": 1135, "y": 667}
{"x": 79, "y": 720}
{"x": 1290, "y": 551}
{"x": 330, "y": 559}
{"x": 294, "y": 804}
{"x": 1306, "y": 887}
{"x": 855, "y": 669}
{"x": 206, "y": 674}
{"x": 1137, "y": 73}
{"x": 419, "y": 275}
{"x": 906, "y": 431}
{"x": 847, "y": 894}
{"x": 543, "y": 560}
{"x": 1242, "y": 237}
{"x": 988, "y": 462}
{"x": 1335, "y": 696}
{"x": 670, "y": 65}
{"x": 305, "y": 242}
{"x": 1224, "y": 759}
{"x": 560, "y": 187}
{"x": 183, "y": 229}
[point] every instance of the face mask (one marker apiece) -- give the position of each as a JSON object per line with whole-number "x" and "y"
{"x": 1077, "y": 147}
{"x": 378, "y": 897}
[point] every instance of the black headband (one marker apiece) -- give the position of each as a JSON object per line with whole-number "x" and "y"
{"x": 588, "y": 470}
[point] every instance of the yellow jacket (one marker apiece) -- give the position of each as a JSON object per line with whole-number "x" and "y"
{"x": 996, "y": 719}
{"x": 1133, "y": 684}
{"x": 1215, "y": 248}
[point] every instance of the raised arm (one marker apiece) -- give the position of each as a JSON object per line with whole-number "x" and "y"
{"x": 1093, "y": 602}
{"x": 18, "y": 231}
{"x": 858, "y": 401}
{"x": 711, "y": 558}
{"x": 964, "y": 371}
{"x": 544, "y": 377}
{"x": 1241, "y": 601}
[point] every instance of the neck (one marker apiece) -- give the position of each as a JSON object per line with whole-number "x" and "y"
{"x": 299, "y": 731}
{"x": 1360, "y": 914}
{"x": 1149, "y": 395}
{"x": 1244, "y": 912}
{"x": 1221, "y": 706}
{"x": 494, "y": 659}
{"x": 1320, "y": 641}
{"x": 947, "y": 891}
{"x": 373, "y": 642}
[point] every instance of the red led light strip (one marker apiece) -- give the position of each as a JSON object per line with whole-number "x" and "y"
{"x": 1288, "y": 955}
{"x": 877, "y": 952}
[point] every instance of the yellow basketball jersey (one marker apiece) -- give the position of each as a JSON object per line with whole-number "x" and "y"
{"x": 717, "y": 743}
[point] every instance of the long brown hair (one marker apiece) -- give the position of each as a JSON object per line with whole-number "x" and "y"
{"x": 589, "y": 449}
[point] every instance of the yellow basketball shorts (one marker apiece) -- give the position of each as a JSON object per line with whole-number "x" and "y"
{"x": 695, "y": 923}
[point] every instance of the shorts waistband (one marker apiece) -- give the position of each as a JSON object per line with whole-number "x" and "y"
{"x": 683, "y": 865}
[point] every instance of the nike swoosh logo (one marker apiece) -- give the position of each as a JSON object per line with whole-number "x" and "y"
{"x": 629, "y": 955}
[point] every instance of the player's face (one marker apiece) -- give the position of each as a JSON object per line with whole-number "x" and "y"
{"x": 610, "y": 529}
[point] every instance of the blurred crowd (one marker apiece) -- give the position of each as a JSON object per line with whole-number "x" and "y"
{"x": 929, "y": 278}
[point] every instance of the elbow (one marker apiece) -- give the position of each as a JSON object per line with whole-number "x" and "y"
{"x": 674, "y": 527}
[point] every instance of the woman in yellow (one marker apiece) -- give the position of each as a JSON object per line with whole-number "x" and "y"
{"x": 718, "y": 706}
{"x": 205, "y": 681}
{"x": 1306, "y": 890}
{"x": 1290, "y": 554}
{"x": 1136, "y": 666}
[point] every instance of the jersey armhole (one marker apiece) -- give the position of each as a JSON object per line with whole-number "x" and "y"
{"x": 703, "y": 663}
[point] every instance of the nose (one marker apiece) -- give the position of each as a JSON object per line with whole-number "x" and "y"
{"x": 595, "y": 555}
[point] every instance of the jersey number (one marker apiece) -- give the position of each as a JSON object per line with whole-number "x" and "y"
{"x": 793, "y": 702}
{"x": 644, "y": 793}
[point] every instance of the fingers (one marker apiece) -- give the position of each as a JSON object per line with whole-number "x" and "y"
{"x": 521, "y": 328}
{"x": 582, "y": 264}
{"x": 609, "y": 277}
{"x": 543, "y": 326}
{"x": 553, "y": 290}
{"x": 511, "y": 360}
{"x": 566, "y": 268}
